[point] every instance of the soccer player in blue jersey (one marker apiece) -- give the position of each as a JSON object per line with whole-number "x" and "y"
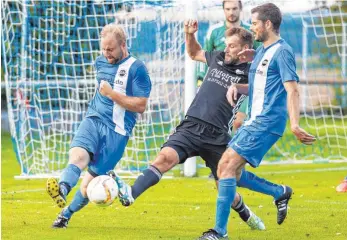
{"x": 204, "y": 131}
{"x": 99, "y": 143}
{"x": 273, "y": 91}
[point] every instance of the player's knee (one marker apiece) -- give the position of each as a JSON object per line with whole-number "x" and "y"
{"x": 79, "y": 157}
{"x": 227, "y": 166}
{"x": 166, "y": 159}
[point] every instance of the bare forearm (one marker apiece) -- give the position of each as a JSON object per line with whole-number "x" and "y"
{"x": 133, "y": 104}
{"x": 242, "y": 89}
{"x": 193, "y": 47}
{"x": 293, "y": 108}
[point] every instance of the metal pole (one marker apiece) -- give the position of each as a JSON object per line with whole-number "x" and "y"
{"x": 189, "y": 168}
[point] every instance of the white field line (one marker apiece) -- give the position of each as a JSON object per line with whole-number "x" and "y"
{"x": 337, "y": 169}
{"x": 22, "y": 191}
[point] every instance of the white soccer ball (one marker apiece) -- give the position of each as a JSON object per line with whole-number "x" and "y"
{"x": 102, "y": 190}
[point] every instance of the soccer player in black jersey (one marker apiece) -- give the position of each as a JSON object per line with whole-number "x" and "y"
{"x": 204, "y": 131}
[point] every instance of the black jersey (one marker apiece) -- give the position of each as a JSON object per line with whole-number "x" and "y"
{"x": 210, "y": 103}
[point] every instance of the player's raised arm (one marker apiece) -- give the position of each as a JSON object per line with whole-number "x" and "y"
{"x": 294, "y": 113}
{"x": 194, "y": 49}
{"x": 133, "y": 104}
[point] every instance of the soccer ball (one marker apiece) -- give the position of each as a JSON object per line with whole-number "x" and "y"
{"x": 102, "y": 190}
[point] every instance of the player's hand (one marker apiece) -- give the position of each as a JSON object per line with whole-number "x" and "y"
{"x": 246, "y": 55}
{"x": 105, "y": 88}
{"x": 190, "y": 26}
{"x": 303, "y": 136}
{"x": 232, "y": 95}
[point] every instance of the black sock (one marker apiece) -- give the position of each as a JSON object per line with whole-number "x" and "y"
{"x": 242, "y": 210}
{"x": 148, "y": 178}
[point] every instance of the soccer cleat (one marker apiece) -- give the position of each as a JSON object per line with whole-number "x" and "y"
{"x": 254, "y": 222}
{"x": 282, "y": 204}
{"x": 342, "y": 187}
{"x": 53, "y": 190}
{"x": 211, "y": 234}
{"x": 124, "y": 190}
{"x": 60, "y": 222}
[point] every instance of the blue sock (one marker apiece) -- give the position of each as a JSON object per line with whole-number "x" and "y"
{"x": 148, "y": 178}
{"x": 78, "y": 202}
{"x": 69, "y": 178}
{"x": 226, "y": 195}
{"x": 257, "y": 184}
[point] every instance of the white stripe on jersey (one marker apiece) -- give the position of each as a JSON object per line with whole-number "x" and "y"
{"x": 260, "y": 83}
{"x": 120, "y": 85}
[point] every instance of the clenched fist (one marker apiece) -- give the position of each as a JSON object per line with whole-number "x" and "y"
{"x": 190, "y": 26}
{"x": 105, "y": 88}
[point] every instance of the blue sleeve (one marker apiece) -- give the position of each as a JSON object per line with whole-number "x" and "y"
{"x": 287, "y": 66}
{"x": 142, "y": 85}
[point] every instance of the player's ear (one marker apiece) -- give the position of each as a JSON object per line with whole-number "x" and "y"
{"x": 123, "y": 46}
{"x": 268, "y": 25}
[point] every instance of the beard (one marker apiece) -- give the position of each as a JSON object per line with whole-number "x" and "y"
{"x": 116, "y": 59}
{"x": 233, "y": 19}
{"x": 119, "y": 57}
{"x": 262, "y": 37}
{"x": 231, "y": 61}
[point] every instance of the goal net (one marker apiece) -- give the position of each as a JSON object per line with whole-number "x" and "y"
{"x": 49, "y": 48}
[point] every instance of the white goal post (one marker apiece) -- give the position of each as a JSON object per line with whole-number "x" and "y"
{"x": 49, "y": 47}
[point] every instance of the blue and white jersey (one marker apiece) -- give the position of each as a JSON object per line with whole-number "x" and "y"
{"x": 271, "y": 67}
{"x": 128, "y": 77}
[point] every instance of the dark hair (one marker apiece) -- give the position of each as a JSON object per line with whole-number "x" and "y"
{"x": 240, "y": 3}
{"x": 245, "y": 36}
{"x": 271, "y": 12}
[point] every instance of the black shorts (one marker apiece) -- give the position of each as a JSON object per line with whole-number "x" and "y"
{"x": 194, "y": 137}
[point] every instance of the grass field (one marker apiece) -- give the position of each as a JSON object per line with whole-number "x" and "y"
{"x": 179, "y": 208}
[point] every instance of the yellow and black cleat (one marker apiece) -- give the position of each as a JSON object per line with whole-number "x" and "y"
{"x": 53, "y": 190}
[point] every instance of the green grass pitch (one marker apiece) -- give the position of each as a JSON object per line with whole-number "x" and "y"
{"x": 179, "y": 208}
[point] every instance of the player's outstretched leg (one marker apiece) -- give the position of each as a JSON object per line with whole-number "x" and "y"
{"x": 78, "y": 202}
{"x": 166, "y": 160}
{"x": 246, "y": 214}
{"x": 280, "y": 193}
{"x": 124, "y": 190}
{"x": 127, "y": 194}
{"x": 282, "y": 204}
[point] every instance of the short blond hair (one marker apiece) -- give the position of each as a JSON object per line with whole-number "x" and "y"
{"x": 115, "y": 30}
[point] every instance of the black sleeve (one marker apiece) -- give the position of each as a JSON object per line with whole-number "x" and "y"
{"x": 210, "y": 56}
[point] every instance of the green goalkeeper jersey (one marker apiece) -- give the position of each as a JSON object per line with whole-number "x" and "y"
{"x": 215, "y": 41}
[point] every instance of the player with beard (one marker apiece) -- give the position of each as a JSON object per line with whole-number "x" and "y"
{"x": 273, "y": 91}
{"x": 101, "y": 138}
{"x": 215, "y": 41}
{"x": 204, "y": 131}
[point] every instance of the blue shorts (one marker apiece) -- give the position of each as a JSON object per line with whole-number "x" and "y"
{"x": 105, "y": 145}
{"x": 252, "y": 144}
